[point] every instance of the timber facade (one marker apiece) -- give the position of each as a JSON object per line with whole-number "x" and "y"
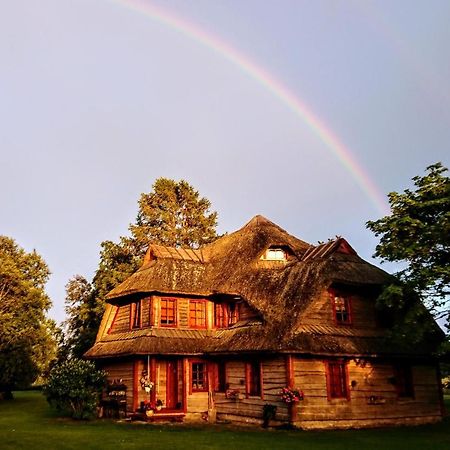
{"x": 221, "y": 330}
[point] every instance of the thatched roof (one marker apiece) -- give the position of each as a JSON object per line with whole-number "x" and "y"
{"x": 277, "y": 290}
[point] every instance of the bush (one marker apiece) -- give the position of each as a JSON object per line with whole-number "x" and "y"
{"x": 74, "y": 387}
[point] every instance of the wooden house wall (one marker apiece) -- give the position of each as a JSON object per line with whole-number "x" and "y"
{"x": 249, "y": 409}
{"x": 320, "y": 312}
{"x": 122, "y": 320}
{"x": 197, "y": 402}
{"x": 246, "y": 312}
{"x": 150, "y": 314}
{"x": 373, "y": 400}
{"x": 121, "y": 369}
{"x": 145, "y": 311}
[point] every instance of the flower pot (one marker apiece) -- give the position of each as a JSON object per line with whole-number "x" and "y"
{"x": 158, "y": 408}
{"x": 149, "y": 412}
{"x": 147, "y": 388}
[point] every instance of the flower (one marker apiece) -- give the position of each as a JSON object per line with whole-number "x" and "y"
{"x": 152, "y": 406}
{"x": 149, "y": 406}
{"x": 146, "y": 383}
{"x": 290, "y": 395}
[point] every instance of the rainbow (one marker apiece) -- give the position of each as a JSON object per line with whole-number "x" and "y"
{"x": 299, "y": 108}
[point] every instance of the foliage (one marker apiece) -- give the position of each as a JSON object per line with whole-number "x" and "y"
{"x": 74, "y": 386}
{"x": 83, "y": 316}
{"x": 26, "y": 344}
{"x": 173, "y": 214}
{"x": 446, "y": 382}
{"x": 417, "y": 233}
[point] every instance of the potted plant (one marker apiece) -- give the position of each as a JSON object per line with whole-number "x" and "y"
{"x": 146, "y": 384}
{"x": 149, "y": 408}
{"x": 159, "y": 405}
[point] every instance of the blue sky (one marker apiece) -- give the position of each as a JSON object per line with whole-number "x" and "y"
{"x": 98, "y": 100}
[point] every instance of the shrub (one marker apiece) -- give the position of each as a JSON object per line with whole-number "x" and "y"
{"x": 74, "y": 387}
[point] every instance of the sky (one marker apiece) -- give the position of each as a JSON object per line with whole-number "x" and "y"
{"x": 308, "y": 113}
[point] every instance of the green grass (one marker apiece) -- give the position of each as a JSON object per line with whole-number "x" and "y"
{"x": 28, "y": 423}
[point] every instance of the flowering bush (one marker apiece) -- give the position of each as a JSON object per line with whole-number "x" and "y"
{"x": 289, "y": 395}
{"x": 75, "y": 387}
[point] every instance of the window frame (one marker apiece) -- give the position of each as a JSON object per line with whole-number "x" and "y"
{"x": 205, "y": 375}
{"x": 343, "y": 381}
{"x": 203, "y": 304}
{"x": 173, "y": 301}
{"x": 220, "y": 315}
{"x": 232, "y": 313}
{"x": 254, "y": 368}
{"x": 275, "y": 253}
{"x": 334, "y": 294}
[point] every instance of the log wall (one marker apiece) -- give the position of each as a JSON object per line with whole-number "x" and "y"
{"x": 151, "y": 314}
{"x": 121, "y": 370}
{"x": 248, "y": 409}
{"x": 373, "y": 399}
{"x": 320, "y": 312}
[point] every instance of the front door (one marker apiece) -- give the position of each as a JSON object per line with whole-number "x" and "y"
{"x": 172, "y": 384}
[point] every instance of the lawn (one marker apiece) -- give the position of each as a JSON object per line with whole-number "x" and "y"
{"x": 27, "y": 423}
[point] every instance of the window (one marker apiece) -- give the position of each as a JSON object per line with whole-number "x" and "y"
{"x": 404, "y": 381}
{"x": 233, "y": 313}
{"x": 225, "y": 314}
{"x": 337, "y": 380}
{"x": 168, "y": 312}
{"x": 253, "y": 378}
{"x": 135, "y": 317}
{"x": 220, "y": 315}
{"x": 197, "y": 313}
{"x": 199, "y": 377}
{"x": 274, "y": 254}
{"x": 341, "y": 308}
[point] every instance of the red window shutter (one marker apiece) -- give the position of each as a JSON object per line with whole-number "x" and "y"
{"x": 337, "y": 380}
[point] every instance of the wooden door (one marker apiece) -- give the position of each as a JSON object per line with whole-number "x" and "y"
{"x": 172, "y": 384}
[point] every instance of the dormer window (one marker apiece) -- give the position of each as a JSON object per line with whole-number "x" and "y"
{"x": 225, "y": 314}
{"x": 274, "y": 254}
{"x": 341, "y": 307}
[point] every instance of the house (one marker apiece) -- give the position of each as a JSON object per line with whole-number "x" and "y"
{"x": 222, "y": 329}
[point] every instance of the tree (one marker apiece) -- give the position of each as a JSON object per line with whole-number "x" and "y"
{"x": 172, "y": 214}
{"x": 417, "y": 233}
{"x": 26, "y": 344}
{"x": 74, "y": 387}
{"x": 82, "y": 317}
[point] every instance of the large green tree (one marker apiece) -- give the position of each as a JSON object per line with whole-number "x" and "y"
{"x": 417, "y": 234}
{"x": 26, "y": 344}
{"x": 172, "y": 214}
